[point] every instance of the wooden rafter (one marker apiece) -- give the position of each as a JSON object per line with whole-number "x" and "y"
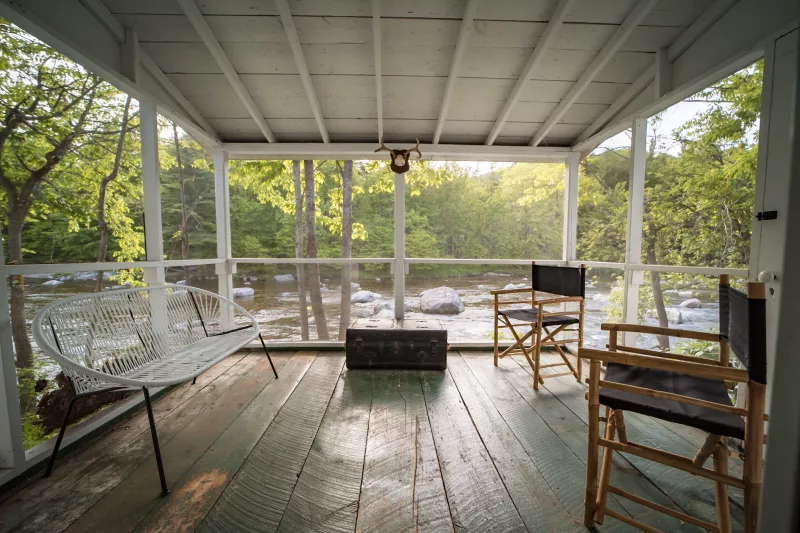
{"x": 377, "y": 41}
{"x": 624, "y": 31}
{"x": 215, "y": 49}
{"x": 461, "y": 47}
{"x": 302, "y": 67}
{"x": 542, "y": 44}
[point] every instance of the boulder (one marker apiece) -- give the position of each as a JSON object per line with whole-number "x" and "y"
{"x": 513, "y": 286}
{"x": 441, "y": 301}
{"x": 181, "y": 282}
{"x": 364, "y": 297}
{"x": 247, "y": 283}
{"x": 385, "y": 313}
{"x": 674, "y": 316}
{"x": 243, "y": 292}
{"x": 52, "y": 283}
{"x": 283, "y": 278}
{"x": 380, "y": 306}
{"x": 323, "y": 288}
{"x": 355, "y": 286}
{"x": 692, "y": 303}
{"x": 685, "y": 294}
{"x": 360, "y": 312}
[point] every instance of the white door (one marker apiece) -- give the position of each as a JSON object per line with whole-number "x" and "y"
{"x": 772, "y": 187}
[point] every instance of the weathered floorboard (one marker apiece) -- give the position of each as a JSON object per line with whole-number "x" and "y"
{"x": 256, "y": 497}
{"x": 478, "y": 498}
{"x": 195, "y": 493}
{"x": 71, "y": 467}
{"x": 325, "y": 498}
{"x": 69, "y": 505}
{"x": 563, "y": 470}
{"x": 402, "y": 487}
{"x": 536, "y": 503}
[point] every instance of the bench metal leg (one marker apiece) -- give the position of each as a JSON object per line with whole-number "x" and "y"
{"x": 268, "y": 357}
{"x": 194, "y": 381}
{"x": 164, "y": 490}
{"x": 64, "y": 424}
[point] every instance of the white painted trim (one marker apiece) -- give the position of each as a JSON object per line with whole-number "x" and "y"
{"x": 449, "y": 261}
{"x": 663, "y": 69}
{"x": 57, "y": 268}
{"x": 215, "y": 49}
{"x": 542, "y": 44}
{"x": 129, "y": 56}
{"x": 705, "y": 271}
{"x": 377, "y": 43}
{"x": 151, "y": 185}
{"x": 311, "y": 261}
{"x": 458, "y": 55}
{"x": 172, "y": 263}
{"x": 628, "y": 26}
{"x": 399, "y": 266}
{"x": 12, "y": 450}
{"x": 302, "y": 66}
{"x": 224, "y": 268}
{"x": 763, "y": 160}
{"x": 366, "y": 151}
{"x": 570, "y": 228}
{"x": 596, "y": 264}
{"x": 633, "y": 240}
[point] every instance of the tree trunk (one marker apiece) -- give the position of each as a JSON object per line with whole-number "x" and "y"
{"x": 298, "y": 250}
{"x": 311, "y": 252}
{"x": 19, "y": 329}
{"x": 347, "y": 245}
{"x": 658, "y": 296}
{"x": 101, "y": 198}
{"x": 184, "y": 217}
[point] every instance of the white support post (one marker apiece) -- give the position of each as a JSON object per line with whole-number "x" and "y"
{"x": 633, "y": 241}
{"x": 226, "y": 269}
{"x": 12, "y": 451}
{"x": 153, "y": 236}
{"x": 399, "y": 245}
{"x": 570, "y": 241}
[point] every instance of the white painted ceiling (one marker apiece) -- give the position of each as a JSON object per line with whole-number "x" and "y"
{"x": 419, "y": 39}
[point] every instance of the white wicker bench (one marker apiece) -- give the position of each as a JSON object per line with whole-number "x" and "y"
{"x": 140, "y": 338}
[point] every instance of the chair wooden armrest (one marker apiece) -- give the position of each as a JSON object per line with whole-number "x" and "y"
{"x": 557, "y": 300}
{"x": 656, "y": 330}
{"x": 510, "y": 291}
{"x": 670, "y": 365}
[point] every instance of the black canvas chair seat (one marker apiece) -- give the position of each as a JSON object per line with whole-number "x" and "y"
{"x": 531, "y": 315}
{"x": 711, "y": 420}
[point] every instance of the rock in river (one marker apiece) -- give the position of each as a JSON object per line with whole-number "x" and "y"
{"x": 283, "y": 277}
{"x": 363, "y": 297}
{"x": 241, "y": 292}
{"x": 692, "y": 303}
{"x": 441, "y": 301}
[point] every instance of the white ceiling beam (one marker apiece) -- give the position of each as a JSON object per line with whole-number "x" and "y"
{"x": 197, "y": 20}
{"x": 302, "y": 67}
{"x": 628, "y": 26}
{"x": 115, "y": 27}
{"x": 366, "y": 151}
{"x": 663, "y": 74}
{"x": 556, "y": 19}
{"x": 377, "y": 40}
{"x": 701, "y": 24}
{"x": 461, "y": 47}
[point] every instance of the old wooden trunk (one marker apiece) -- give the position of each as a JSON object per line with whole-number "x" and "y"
{"x": 404, "y": 344}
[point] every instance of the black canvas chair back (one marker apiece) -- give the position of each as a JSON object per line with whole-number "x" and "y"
{"x": 564, "y": 281}
{"x": 742, "y": 324}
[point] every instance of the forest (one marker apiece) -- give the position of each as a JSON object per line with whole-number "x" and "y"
{"x": 71, "y": 191}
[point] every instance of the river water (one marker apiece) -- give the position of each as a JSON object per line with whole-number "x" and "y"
{"x": 275, "y": 304}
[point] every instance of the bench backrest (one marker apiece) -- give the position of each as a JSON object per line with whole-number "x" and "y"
{"x": 117, "y": 331}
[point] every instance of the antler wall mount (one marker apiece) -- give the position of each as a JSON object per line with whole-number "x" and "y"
{"x": 400, "y": 159}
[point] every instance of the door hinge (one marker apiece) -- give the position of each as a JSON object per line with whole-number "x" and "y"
{"x": 766, "y": 215}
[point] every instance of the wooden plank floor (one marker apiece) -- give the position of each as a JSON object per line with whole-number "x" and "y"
{"x": 471, "y": 449}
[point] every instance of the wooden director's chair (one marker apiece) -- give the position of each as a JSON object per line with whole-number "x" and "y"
{"x": 568, "y": 286}
{"x": 685, "y": 390}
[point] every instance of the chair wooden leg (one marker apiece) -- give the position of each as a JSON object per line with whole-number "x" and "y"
{"x": 590, "y": 499}
{"x": 537, "y": 352}
{"x": 706, "y": 450}
{"x": 753, "y": 454}
{"x": 605, "y": 468}
{"x": 721, "y": 466}
{"x": 619, "y": 423}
